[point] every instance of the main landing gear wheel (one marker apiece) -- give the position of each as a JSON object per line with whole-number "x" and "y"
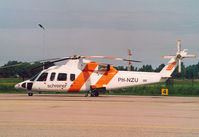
{"x": 93, "y": 93}
{"x": 30, "y": 94}
{"x": 96, "y": 93}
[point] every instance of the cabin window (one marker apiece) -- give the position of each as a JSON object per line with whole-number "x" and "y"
{"x": 43, "y": 77}
{"x": 72, "y": 77}
{"x": 52, "y": 76}
{"x": 62, "y": 77}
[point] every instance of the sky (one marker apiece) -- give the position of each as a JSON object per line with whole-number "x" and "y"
{"x": 150, "y": 29}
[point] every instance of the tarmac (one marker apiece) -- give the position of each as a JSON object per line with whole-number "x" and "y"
{"x": 62, "y": 115}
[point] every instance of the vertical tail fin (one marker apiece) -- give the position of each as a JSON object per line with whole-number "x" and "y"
{"x": 174, "y": 61}
{"x": 169, "y": 68}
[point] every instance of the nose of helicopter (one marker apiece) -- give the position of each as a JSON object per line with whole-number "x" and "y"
{"x": 17, "y": 86}
{"x": 27, "y": 85}
{"x": 21, "y": 85}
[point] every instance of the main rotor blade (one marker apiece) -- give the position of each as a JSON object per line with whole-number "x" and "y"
{"x": 39, "y": 66}
{"x": 2, "y": 67}
{"x": 46, "y": 60}
{"x": 102, "y": 57}
{"x": 52, "y": 62}
{"x": 61, "y": 59}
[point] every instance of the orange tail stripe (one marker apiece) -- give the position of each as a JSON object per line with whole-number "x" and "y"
{"x": 107, "y": 77}
{"x": 83, "y": 77}
{"x": 170, "y": 67}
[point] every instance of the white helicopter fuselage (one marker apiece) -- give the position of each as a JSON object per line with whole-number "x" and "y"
{"x": 79, "y": 74}
{"x": 82, "y": 75}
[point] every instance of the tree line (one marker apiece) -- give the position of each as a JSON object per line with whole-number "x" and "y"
{"x": 26, "y": 70}
{"x": 22, "y": 69}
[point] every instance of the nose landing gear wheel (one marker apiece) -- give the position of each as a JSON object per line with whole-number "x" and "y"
{"x": 30, "y": 94}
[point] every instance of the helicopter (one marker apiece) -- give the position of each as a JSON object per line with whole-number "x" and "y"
{"x": 79, "y": 74}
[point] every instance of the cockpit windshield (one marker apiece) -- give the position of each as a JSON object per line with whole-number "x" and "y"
{"x": 34, "y": 77}
{"x": 43, "y": 77}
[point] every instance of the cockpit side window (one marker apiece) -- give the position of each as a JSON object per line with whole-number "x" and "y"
{"x": 62, "y": 77}
{"x": 43, "y": 77}
{"x": 52, "y": 76}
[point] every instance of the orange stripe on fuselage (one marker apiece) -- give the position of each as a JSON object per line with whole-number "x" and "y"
{"x": 106, "y": 78}
{"x": 83, "y": 77}
{"x": 170, "y": 67}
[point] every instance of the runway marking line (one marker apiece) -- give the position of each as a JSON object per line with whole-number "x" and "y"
{"x": 95, "y": 125}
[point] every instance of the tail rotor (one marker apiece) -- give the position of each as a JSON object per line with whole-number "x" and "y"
{"x": 181, "y": 54}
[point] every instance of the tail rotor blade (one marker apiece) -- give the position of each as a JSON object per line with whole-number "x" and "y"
{"x": 190, "y": 56}
{"x": 167, "y": 57}
{"x": 179, "y": 46}
{"x": 179, "y": 66}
